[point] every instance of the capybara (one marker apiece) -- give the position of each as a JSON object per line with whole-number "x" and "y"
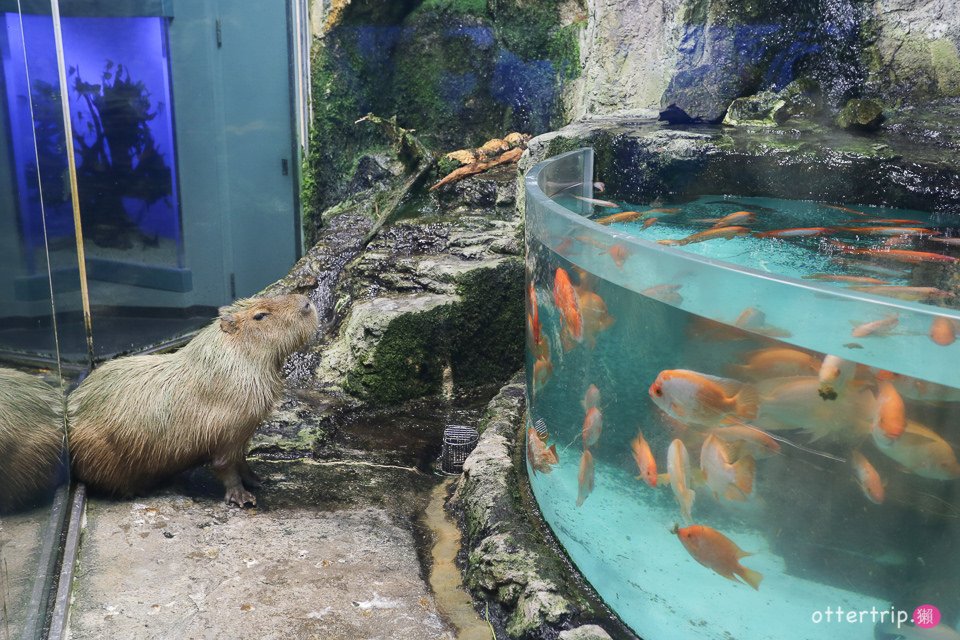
{"x": 137, "y": 420}
{"x": 31, "y": 437}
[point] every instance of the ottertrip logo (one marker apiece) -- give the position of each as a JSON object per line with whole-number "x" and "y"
{"x": 926, "y": 616}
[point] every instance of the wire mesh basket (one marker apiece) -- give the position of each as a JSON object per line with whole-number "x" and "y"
{"x": 458, "y": 442}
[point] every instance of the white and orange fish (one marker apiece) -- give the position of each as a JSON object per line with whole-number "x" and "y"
{"x": 867, "y": 478}
{"x": 891, "y": 419}
{"x": 591, "y": 398}
{"x": 592, "y": 427}
{"x": 829, "y": 277}
{"x": 668, "y": 293}
{"x": 834, "y": 375}
{"x": 890, "y": 231}
{"x": 701, "y": 399}
{"x": 743, "y": 439}
{"x": 796, "y": 403}
{"x": 542, "y": 458}
{"x": 924, "y": 453}
{"x": 716, "y": 551}
{"x": 585, "y": 477}
{"x": 876, "y": 327}
{"x": 678, "y": 472}
{"x": 646, "y": 463}
{"x": 898, "y": 255}
{"x": 726, "y": 479}
{"x": 599, "y": 203}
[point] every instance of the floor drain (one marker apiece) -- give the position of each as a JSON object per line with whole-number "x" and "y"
{"x": 458, "y": 442}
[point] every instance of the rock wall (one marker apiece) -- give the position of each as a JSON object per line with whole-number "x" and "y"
{"x": 915, "y": 52}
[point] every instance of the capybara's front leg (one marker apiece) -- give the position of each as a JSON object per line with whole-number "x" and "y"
{"x": 249, "y": 476}
{"x": 227, "y": 467}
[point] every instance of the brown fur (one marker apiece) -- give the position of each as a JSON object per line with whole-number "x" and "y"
{"x": 31, "y": 437}
{"x": 135, "y": 421}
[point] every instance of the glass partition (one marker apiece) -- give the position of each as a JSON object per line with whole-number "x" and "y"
{"x": 36, "y": 240}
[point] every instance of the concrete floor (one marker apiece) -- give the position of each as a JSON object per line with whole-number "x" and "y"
{"x": 331, "y": 552}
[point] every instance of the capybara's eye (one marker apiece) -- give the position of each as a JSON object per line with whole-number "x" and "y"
{"x": 261, "y": 315}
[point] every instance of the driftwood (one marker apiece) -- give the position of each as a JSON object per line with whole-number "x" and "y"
{"x": 479, "y": 167}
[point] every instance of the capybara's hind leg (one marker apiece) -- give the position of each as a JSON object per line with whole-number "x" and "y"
{"x": 249, "y": 476}
{"x": 227, "y": 468}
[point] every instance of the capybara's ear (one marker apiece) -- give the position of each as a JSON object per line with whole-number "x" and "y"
{"x": 228, "y": 322}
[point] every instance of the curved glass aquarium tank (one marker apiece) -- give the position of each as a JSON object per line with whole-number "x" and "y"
{"x": 743, "y": 411}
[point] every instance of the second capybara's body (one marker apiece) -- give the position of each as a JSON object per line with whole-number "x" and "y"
{"x": 31, "y": 438}
{"x": 137, "y": 420}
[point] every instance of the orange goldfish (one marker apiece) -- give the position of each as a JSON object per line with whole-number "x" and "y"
{"x": 877, "y": 327}
{"x": 664, "y": 293}
{"x": 678, "y": 470}
{"x": 619, "y": 253}
{"x": 646, "y": 464}
{"x": 541, "y": 457}
{"x": 884, "y": 221}
{"x": 915, "y": 294}
{"x": 542, "y": 370}
{"x": 709, "y": 234}
{"x": 844, "y": 209}
{"x": 891, "y": 418}
{"x": 534, "y": 314}
{"x": 592, "y": 426}
{"x": 890, "y": 231}
{"x": 732, "y": 219}
{"x": 630, "y": 216}
{"x": 716, "y": 551}
{"x": 798, "y": 232}
{"x": 834, "y": 374}
{"x": 591, "y": 398}
{"x": 898, "y": 255}
{"x": 700, "y": 399}
{"x": 747, "y": 440}
{"x": 752, "y": 319}
{"x": 593, "y": 311}
{"x": 867, "y": 478}
{"x": 585, "y": 477}
{"x": 777, "y": 362}
{"x": 649, "y": 222}
{"x": 732, "y": 481}
{"x": 943, "y": 331}
{"x": 568, "y": 304}
{"x": 924, "y": 453}
{"x": 829, "y": 277}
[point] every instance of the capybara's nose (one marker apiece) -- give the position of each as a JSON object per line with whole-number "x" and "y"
{"x": 307, "y": 307}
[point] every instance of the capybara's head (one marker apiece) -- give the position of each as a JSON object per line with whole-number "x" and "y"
{"x": 272, "y": 327}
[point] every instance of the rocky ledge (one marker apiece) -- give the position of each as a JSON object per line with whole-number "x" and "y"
{"x": 511, "y": 560}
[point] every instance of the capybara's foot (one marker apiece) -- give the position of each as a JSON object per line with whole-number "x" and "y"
{"x": 240, "y": 497}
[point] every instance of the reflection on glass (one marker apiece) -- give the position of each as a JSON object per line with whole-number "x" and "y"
{"x": 34, "y": 216}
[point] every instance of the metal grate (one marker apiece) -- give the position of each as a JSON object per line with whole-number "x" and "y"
{"x": 540, "y": 426}
{"x": 458, "y": 442}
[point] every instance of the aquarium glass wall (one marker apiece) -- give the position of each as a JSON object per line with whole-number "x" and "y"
{"x": 743, "y": 410}
{"x": 33, "y": 473}
{"x": 185, "y": 124}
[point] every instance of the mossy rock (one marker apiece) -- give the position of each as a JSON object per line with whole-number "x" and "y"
{"x": 861, "y": 114}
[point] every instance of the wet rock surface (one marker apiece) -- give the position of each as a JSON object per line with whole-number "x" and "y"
{"x": 641, "y": 161}
{"x": 510, "y": 560}
{"x": 436, "y": 293}
{"x": 334, "y": 549}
